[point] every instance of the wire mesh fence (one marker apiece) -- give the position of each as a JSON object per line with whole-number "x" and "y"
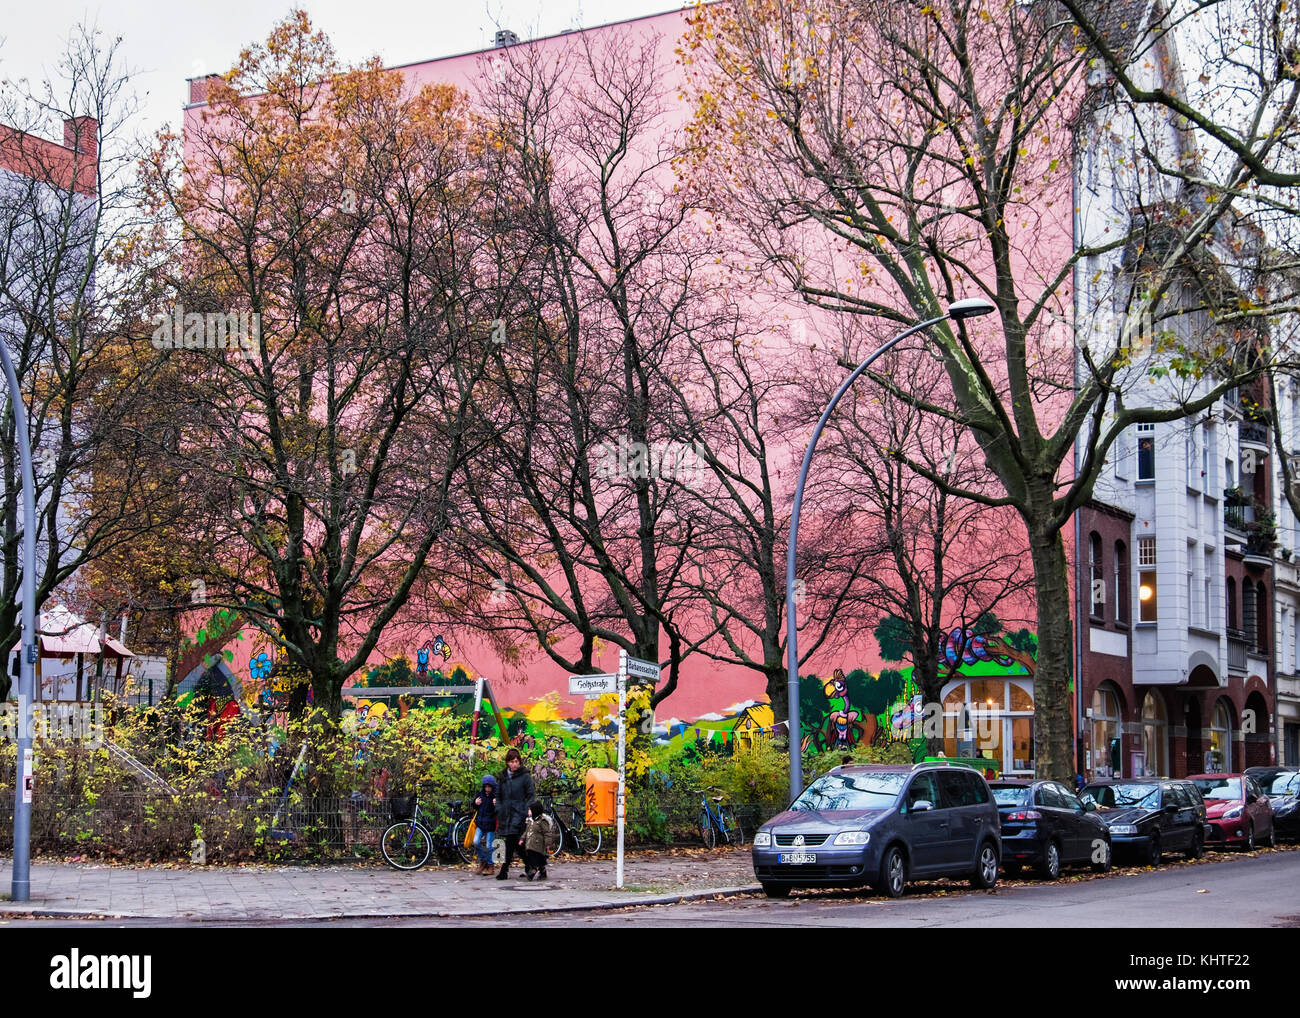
{"x": 303, "y": 828}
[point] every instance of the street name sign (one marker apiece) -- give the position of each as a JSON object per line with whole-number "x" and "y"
{"x": 592, "y": 685}
{"x": 642, "y": 669}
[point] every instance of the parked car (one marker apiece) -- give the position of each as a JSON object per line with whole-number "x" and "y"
{"x": 1150, "y": 816}
{"x": 1046, "y": 826}
{"x": 1238, "y": 811}
{"x": 1282, "y": 786}
{"x": 881, "y": 826}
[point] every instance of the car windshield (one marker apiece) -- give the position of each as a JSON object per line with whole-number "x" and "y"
{"x": 1011, "y": 796}
{"x": 1143, "y": 796}
{"x": 1219, "y": 788}
{"x": 1284, "y": 784}
{"x": 851, "y": 791}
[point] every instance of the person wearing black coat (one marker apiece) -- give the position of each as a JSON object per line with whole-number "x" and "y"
{"x": 515, "y": 791}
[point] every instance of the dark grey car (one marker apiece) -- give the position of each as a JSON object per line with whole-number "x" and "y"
{"x": 882, "y": 826}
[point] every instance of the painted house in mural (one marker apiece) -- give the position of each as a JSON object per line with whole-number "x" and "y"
{"x": 1168, "y": 670}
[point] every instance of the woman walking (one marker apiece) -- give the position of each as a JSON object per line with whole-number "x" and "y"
{"x": 514, "y": 792}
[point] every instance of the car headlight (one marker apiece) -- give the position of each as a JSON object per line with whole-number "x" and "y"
{"x": 1124, "y": 829}
{"x": 763, "y": 839}
{"x": 852, "y": 838}
{"x": 1232, "y": 814}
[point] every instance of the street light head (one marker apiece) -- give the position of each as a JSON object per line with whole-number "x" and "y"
{"x": 971, "y": 307}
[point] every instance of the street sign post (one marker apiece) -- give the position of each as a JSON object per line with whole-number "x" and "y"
{"x": 623, "y": 662}
{"x": 592, "y": 685}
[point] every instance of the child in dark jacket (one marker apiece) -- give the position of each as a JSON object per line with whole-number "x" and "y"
{"x": 485, "y": 824}
{"x": 537, "y": 832}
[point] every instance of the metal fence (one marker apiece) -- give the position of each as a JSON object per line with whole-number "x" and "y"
{"x": 199, "y": 829}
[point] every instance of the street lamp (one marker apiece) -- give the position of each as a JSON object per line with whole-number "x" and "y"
{"x": 971, "y": 307}
{"x": 21, "y": 883}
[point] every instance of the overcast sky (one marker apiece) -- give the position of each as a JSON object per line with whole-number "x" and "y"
{"x": 166, "y": 41}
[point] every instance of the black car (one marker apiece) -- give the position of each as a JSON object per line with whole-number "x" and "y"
{"x": 882, "y": 826}
{"x": 1148, "y": 817}
{"x": 1046, "y": 826}
{"x": 1282, "y": 786}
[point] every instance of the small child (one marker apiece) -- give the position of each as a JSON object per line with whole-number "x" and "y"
{"x": 536, "y": 833}
{"x": 485, "y": 824}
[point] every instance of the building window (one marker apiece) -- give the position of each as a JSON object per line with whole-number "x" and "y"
{"x": 1249, "y": 621}
{"x": 1230, "y": 602}
{"x": 1207, "y": 439}
{"x": 1193, "y": 459}
{"x": 1218, "y": 758}
{"x": 1098, "y": 579}
{"x": 1107, "y": 757}
{"x": 1121, "y": 582}
{"x": 1147, "y": 579}
{"x": 1155, "y": 736}
{"x": 1146, "y": 452}
{"x": 1261, "y": 618}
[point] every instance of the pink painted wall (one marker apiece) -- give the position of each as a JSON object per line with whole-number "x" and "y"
{"x": 705, "y": 686}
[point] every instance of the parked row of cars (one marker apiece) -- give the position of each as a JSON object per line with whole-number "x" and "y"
{"x": 881, "y": 826}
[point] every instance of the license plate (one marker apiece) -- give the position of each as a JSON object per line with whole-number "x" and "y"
{"x": 797, "y": 858}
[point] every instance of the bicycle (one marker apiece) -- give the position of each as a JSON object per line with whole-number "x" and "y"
{"x": 409, "y": 842}
{"x": 718, "y": 820}
{"x": 574, "y": 832}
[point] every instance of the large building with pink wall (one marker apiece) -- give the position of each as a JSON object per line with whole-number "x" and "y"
{"x": 1116, "y": 699}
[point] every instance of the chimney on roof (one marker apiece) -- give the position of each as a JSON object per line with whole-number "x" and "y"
{"x": 81, "y": 134}
{"x": 199, "y": 88}
{"x": 505, "y": 37}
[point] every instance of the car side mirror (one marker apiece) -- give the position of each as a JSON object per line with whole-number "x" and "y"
{"x": 922, "y": 806}
{"x": 1251, "y": 797}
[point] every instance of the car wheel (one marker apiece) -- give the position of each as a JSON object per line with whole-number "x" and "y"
{"x": 1249, "y": 846}
{"x": 893, "y": 873}
{"x": 1050, "y": 867}
{"x": 1271, "y": 841}
{"x": 777, "y": 890}
{"x": 1103, "y": 865}
{"x": 986, "y": 869}
{"x": 1154, "y": 852}
{"x": 1198, "y": 847}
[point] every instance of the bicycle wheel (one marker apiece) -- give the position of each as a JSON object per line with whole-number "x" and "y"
{"x": 587, "y": 838}
{"x": 555, "y": 844}
{"x": 708, "y": 831}
{"x": 458, "y": 831}
{"x": 406, "y": 845}
{"x": 731, "y": 827}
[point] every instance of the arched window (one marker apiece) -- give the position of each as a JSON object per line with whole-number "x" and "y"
{"x": 1121, "y": 582}
{"x": 1261, "y": 618}
{"x": 1248, "y": 620}
{"x": 1218, "y": 758}
{"x": 1098, "y": 593}
{"x": 1230, "y": 600}
{"x": 1155, "y": 735}
{"x": 1107, "y": 759}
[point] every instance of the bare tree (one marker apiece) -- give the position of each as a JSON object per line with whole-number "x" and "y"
{"x": 887, "y": 159}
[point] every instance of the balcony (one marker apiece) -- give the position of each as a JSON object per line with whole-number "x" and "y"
{"x": 1253, "y": 435}
{"x": 1259, "y": 548}
{"x": 1237, "y": 645}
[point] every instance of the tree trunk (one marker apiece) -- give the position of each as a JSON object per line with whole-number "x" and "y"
{"x": 1053, "y": 725}
{"x": 778, "y": 692}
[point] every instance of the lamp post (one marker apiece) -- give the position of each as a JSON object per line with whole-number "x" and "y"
{"x": 972, "y": 307}
{"x": 21, "y": 885}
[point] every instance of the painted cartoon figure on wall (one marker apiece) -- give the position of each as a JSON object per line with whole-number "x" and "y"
{"x": 431, "y": 648}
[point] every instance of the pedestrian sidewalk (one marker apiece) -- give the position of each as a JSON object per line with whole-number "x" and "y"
{"x": 266, "y": 892}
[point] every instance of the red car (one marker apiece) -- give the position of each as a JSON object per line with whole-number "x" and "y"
{"x": 1237, "y": 810}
